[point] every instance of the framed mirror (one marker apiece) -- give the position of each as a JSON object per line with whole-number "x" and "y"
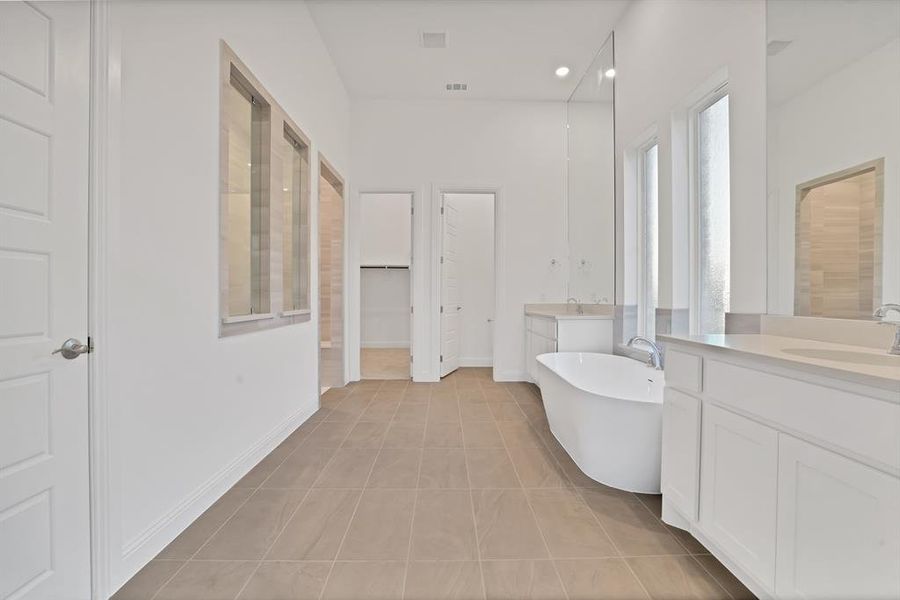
{"x": 833, "y": 157}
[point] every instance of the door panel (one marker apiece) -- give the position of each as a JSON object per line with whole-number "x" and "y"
{"x": 450, "y": 297}
{"x": 681, "y": 451}
{"x": 44, "y": 75}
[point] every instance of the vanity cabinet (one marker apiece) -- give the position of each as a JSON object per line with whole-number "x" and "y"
{"x": 791, "y": 478}
{"x": 545, "y": 334}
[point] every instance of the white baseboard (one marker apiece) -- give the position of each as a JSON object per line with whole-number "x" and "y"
{"x": 511, "y": 376}
{"x": 486, "y": 361}
{"x": 384, "y": 345}
{"x": 139, "y": 550}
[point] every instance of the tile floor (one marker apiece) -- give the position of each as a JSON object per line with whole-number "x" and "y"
{"x": 384, "y": 363}
{"x": 422, "y": 491}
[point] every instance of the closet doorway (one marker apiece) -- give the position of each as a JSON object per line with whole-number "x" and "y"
{"x": 385, "y": 264}
{"x": 331, "y": 277}
{"x": 467, "y": 280}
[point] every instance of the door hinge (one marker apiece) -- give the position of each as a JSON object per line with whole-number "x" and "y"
{"x": 412, "y": 210}
{"x": 442, "y": 260}
{"x": 411, "y": 310}
{"x": 442, "y": 210}
{"x": 442, "y": 358}
{"x": 442, "y": 308}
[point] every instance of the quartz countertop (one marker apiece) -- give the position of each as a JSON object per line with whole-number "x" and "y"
{"x": 859, "y": 364}
{"x": 570, "y": 311}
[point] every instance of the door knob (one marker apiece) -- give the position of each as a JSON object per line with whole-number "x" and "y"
{"x": 72, "y": 348}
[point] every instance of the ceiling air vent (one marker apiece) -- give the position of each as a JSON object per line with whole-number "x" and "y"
{"x": 457, "y": 87}
{"x": 776, "y": 47}
{"x": 433, "y": 39}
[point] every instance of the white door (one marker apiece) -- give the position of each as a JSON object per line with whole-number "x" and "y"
{"x": 44, "y": 510}
{"x": 738, "y": 478}
{"x": 450, "y": 297}
{"x": 838, "y": 526}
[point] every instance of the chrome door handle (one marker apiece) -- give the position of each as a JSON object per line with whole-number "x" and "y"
{"x": 458, "y": 308}
{"x": 72, "y": 348}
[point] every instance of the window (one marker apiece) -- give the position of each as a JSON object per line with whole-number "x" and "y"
{"x": 711, "y": 272}
{"x": 648, "y": 240}
{"x": 245, "y": 131}
{"x": 295, "y": 215}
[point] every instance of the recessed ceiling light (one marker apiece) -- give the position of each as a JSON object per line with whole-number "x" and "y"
{"x": 562, "y": 72}
{"x": 610, "y": 73}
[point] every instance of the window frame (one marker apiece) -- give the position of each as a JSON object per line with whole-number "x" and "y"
{"x": 298, "y": 139}
{"x": 706, "y": 101}
{"x": 641, "y": 222}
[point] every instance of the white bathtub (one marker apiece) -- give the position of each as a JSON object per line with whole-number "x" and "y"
{"x": 606, "y": 411}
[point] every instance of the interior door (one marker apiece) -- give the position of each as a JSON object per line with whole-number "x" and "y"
{"x": 44, "y": 110}
{"x": 450, "y": 298}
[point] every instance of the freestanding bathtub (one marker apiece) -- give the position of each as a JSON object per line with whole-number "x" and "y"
{"x": 606, "y": 412}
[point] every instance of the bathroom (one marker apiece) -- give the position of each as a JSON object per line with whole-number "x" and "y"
{"x": 561, "y": 299}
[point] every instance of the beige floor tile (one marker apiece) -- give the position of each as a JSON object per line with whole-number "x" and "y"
{"x": 653, "y": 502}
{"x": 349, "y": 468}
{"x": 490, "y": 468}
{"x": 507, "y": 411}
{"x": 259, "y": 473}
{"x": 396, "y": 468}
{"x": 148, "y": 580}
{"x": 676, "y": 578}
{"x": 380, "y": 529}
{"x": 348, "y": 409}
{"x": 572, "y": 470}
{"x": 569, "y": 528}
{"x": 208, "y": 580}
{"x": 443, "y": 435}
{"x": 443, "y": 468}
{"x": 366, "y": 434}
{"x": 535, "y": 414}
{"x": 475, "y": 410}
{"x": 475, "y": 394}
{"x": 443, "y": 527}
{"x": 329, "y": 434}
{"x": 633, "y": 528}
{"x": 520, "y": 433}
{"x": 599, "y": 579}
{"x": 381, "y": 409}
{"x": 537, "y": 468}
{"x": 412, "y": 412}
{"x": 443, "y": 410}
{"x": 732, "y": 585}
{"x": 442, "y": 580}
{"x": 198, "y": 532}
{"x": 365, "y": 581}
{"x": 405, "y": 435}
{"x": 417, "y": 392}
{"x": 317, "y": 527}
{"x": 690, "y": 544}
{"x": 301, "y": 468}
{"x": 253, "y": 528}
{"x": 521, "y": 580}
{"x": 481, "y": 434}
{"x": 505, "y": 525}
{"x": 384, "y": 363}
{"x": 287, "y": 581}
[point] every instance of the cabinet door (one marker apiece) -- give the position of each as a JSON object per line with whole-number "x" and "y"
{"x": 681, "y": 451}
{"x": 838, "y": 526}
{"x": 738, "y": 478}
{"x": 530, "y": 354}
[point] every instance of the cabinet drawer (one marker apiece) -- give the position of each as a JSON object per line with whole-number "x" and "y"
{"x": 866, "y": 426}
{"x": 684, "y": 370}
{"x": 542, "y": 327}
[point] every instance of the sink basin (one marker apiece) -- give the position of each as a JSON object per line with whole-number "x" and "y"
{"x": 847, "y": 356}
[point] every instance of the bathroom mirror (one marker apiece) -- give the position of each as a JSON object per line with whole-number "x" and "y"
{"x": 833, "y": 157}
{"x": 591, "y": 182}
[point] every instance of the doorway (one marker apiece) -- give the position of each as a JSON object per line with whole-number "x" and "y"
{"x": 467, "y": 280}
{"x": 331, "y": 277}
{"x": 385, "y": 285}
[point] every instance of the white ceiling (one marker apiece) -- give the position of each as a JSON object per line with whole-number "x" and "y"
{"x": 503, "y": 49}
{"x": 824, "y": 36}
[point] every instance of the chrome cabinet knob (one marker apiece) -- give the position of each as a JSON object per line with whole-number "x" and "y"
{"x": 72, "y": 348}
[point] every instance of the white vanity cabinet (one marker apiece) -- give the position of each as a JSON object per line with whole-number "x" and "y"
{"x": 545, "y": 334}
{"x": 791, "y": 478}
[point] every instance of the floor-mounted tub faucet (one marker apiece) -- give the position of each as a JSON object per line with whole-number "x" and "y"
{"x": 880, "y": 313}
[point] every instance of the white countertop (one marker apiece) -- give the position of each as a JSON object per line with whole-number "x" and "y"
{"x": 570, "y": 311}
{"x": 860, "y": 364}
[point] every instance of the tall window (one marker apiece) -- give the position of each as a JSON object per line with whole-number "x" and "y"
{"x": 713, "y": 198}
{"x": 295, "y": 193}
{"x": 245, "y": 128}
{"x": 648, "y": 240}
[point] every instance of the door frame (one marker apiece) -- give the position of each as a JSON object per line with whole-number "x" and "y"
{"x": 356, "y": 272}
{"x": 322, "y": 161}
{"x": 437, "y": 195}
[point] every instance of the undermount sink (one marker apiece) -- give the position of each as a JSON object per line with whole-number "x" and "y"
{"x": 846, "y": 356}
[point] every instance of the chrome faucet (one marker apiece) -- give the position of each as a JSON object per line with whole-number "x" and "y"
{"x": 579, "y": 307}
{"x": 655, "y": 359}
{"x": 880, "y": 313}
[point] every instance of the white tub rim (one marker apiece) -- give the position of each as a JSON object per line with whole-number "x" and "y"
{"x": 656, "y": 376}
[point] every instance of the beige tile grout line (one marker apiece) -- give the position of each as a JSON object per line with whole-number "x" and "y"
{"x": 234, "y": 512}
{"x": 537, "y": 524}
{"x": 462, "y": 434}
{"x": 412, "y": 519}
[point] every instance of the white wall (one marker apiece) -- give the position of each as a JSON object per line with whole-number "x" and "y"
{"x": 384, "y": 300}
{"x": 848, "y": 118}
{"x": 385, "y": 233}
{"x": 519, "y": 147}
{"x": 190, "y": 412}
{"x": 476, "y": 278}
{"x": 665, "y": 51}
